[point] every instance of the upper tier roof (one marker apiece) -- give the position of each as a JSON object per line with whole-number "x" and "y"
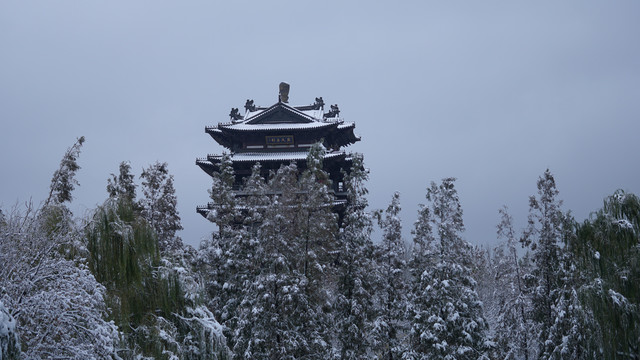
{"x": 283, "y": 117}
{"x": 299, "y": 114}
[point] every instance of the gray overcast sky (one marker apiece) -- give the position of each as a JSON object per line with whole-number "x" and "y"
{"x": 490, "y": 92}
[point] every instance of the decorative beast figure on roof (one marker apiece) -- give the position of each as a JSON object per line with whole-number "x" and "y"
{"x": 235, "y": 114}
{"x": 249, "y": 106}
{"x": 334, "y": 112}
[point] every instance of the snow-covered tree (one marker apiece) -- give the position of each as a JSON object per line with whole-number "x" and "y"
{"x": 159, "y": 205}
{"x": 447, "y": 320}
{"x": 570, "y": 335}
{"x": 154, "y": 297}
{"x": 9, "y": 340}
{"x": 44, "y": 281}
{"x": 229, "y": 260}
{"x": 223, "y": 197}
{"x": 512, "y": 323}
{"x": 273, "y": 301}
{"x": 425, "y": 250}
{"x": 283, "y": 309}
{"x": 606, "y": 253}
{"x": 158, "y": 315}
{"x": 123, "y": 184}
{"x": 63, "y": 181}
{"x": 544, "y": 236}
{"x": 353, "y": 304}
{"x": 315, "y": 220}
{"x": 390, "y": 326}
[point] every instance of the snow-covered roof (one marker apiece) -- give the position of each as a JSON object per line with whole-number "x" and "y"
{"x": 281, "y": 126}
{"x": 315, "y": 114}
{"x": 275, "y": 156}
{"x": 346, "y": 125}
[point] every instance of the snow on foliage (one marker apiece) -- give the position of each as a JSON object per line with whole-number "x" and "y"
{"x": 56, "y": 300}
{"x": 159, "y": 205}
{"x": 447, "y": 314}
{"x": 9, "y": 342}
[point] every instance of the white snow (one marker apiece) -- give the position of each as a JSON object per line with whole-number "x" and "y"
{"x": 278, "y": 156}
{"x": 617, "y": 298}
{"x": 282, "y": 126}
{"x": 625, "y": 224}
{"x": 7, "y": 329}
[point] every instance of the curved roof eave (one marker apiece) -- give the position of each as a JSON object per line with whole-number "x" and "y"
{"x": 245, "y": 127}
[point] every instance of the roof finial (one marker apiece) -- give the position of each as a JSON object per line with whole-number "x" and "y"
{"x": 249, "y": 105}
{"x": 235, "y": 114}
{"x": 334, "y": 112}
{"x": 284, "y": 92}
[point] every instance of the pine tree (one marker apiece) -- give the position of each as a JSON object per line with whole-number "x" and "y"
{"x": 353, "y": 305}
{"x": 570, "y": 335}
{"x": 159, "y": 205}
{"x": 283, "y": 308}
{"x": 223, "y": 198}
{"x": 276, "y": 313}
{"x": 64, "y": 182}
{"x": 424, "y": 258}
{"x": 543, "y": 237}
{"x": 390, "y": 325}
{"x": 236, "y": 252}
{"x": 447, "y": 320}
{"x": 122, "y": 185}
{"x": 513, "y": 325}
{"x": 229, "y": 260}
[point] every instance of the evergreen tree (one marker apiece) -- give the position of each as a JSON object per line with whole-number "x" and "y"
{"x": 63, "y": 182}
{"x": 159, "y": 205}
{"x": 123, "y": 184}
{"x": 543, "y": 236}
{"x": 283, "y": 310}
{"x": 390, "y": 325}
{"x": 223, "y": 198}
{"x": 513, "y": 326}
{"x": 447, "y": 318}
{"x": 271, "y": 303}
{"x": 232, "y": 256}
{"x": 353, "y": 305}
{"x": 570, "y": 336}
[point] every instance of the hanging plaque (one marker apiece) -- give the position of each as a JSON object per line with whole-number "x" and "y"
{"x": 280, "y": 140}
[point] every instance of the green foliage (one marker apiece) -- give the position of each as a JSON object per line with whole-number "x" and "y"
{"x": 159, "y": 206}
{"x": 63, "y": 181}
{"x": 353, "y": 304}
{"x": 447, "y": 316}
{"x": 125, "y": 259}
{"x": 123, "y": 184}
{"x": 607, "y": 254}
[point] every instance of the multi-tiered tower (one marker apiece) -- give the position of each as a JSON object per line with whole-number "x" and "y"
{"x": 278, "y": 135}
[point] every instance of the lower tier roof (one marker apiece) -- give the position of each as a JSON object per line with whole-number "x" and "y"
{"x": 273, "y": 160}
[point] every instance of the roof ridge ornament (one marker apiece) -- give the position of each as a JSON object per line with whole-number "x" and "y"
{"x": 333, "y": 113}
{"x": 319, "y": 104}
{"x": 235, "y": 114}
{"x": 283, "y": 95}
{"x": 249, "y": 106}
